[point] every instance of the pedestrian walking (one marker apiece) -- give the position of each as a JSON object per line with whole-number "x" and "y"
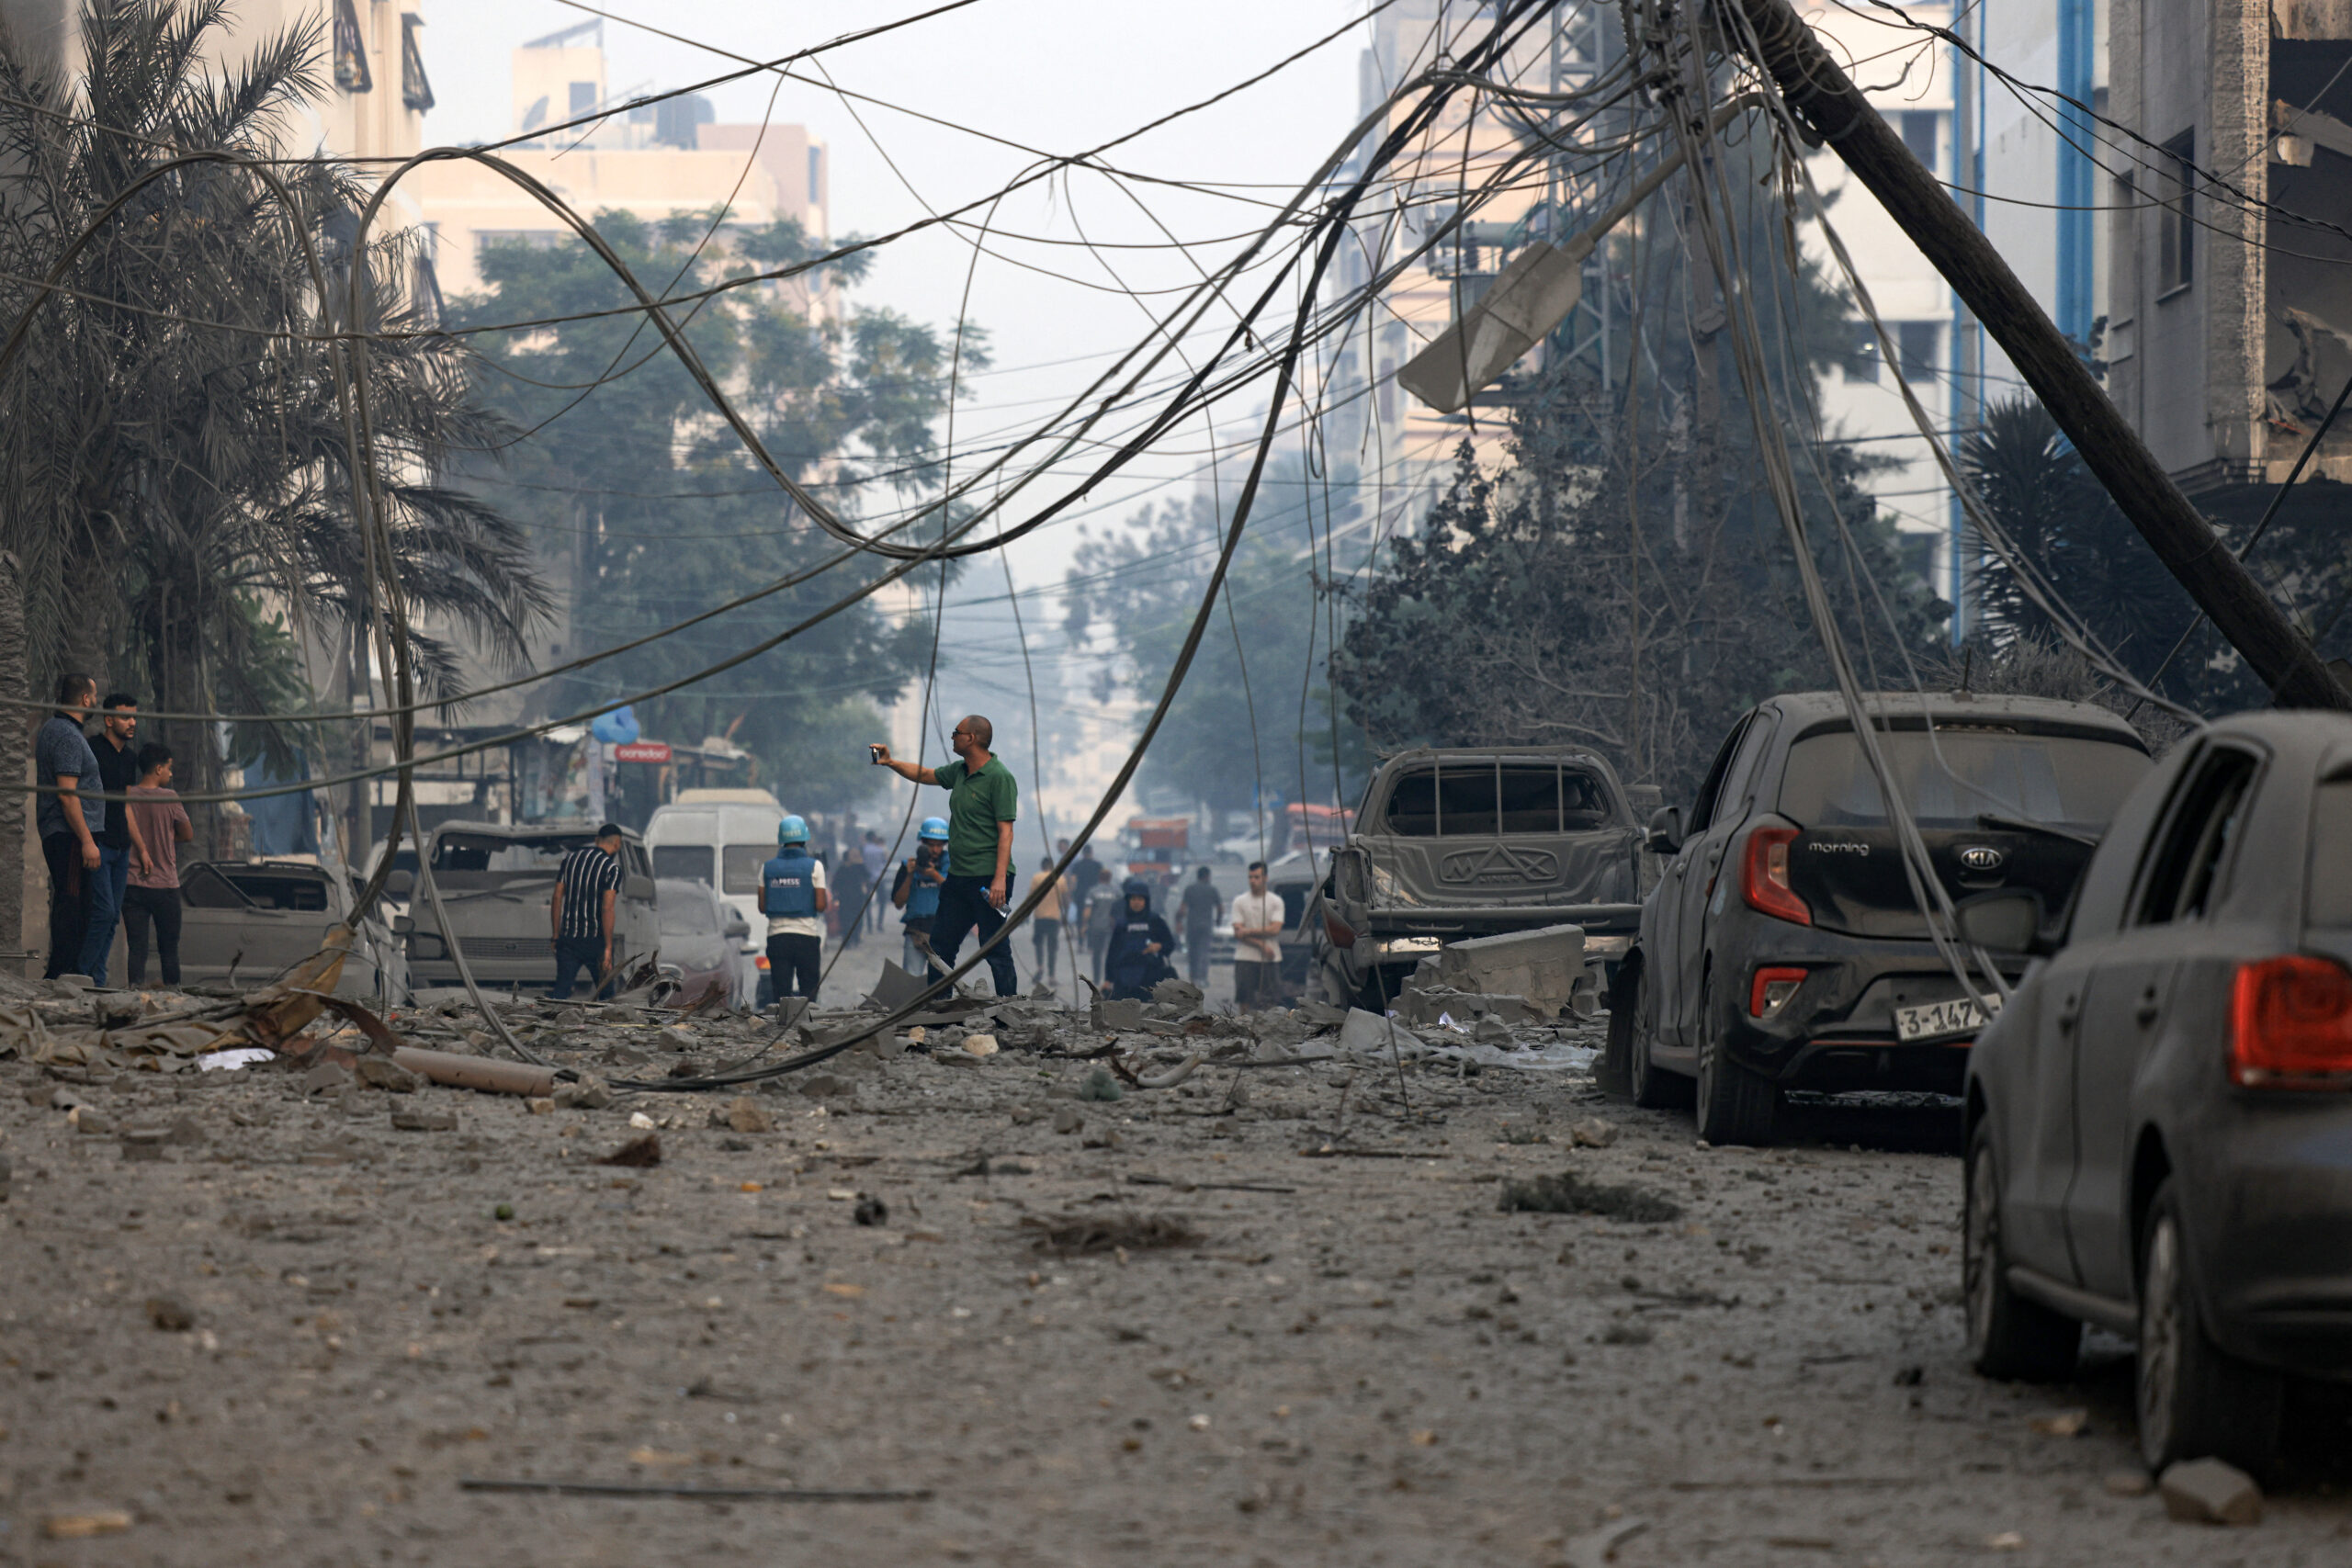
{"x": 852, "y": 889}
{"x": 117, "y": 750}
{"x": 1102, "y": 916}
{"x": 794, "y": 898}
{"x": 581, "y": 913}
{"x": 1201, "y": 907}
{"x": 1140, "y": 942}
{"x": 874, "y": 855}
{"x": 1257, "y": 944}
{"x": 1087, "y": 872}
{"x": 916, "y": 891}
{"x": 982, "y": 803}
{"x": 68, "y": 824}
{"x": 1047, "y": 918}
{"x": 153, "y": 896}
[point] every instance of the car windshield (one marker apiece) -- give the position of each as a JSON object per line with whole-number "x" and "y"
{"x": 2060, "y": 781}
{"x": 1482, "y": 799}
{"x": 687, "y": 913}
{"x": 484, "y": 851}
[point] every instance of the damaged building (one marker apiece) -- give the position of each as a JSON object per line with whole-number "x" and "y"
{"x": 2231, "y": 290}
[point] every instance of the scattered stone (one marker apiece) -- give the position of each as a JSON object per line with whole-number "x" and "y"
{"x": 170, "y": 1315}
{"x": 743, "y": 1114}
{"x": 2062, "y": 1423}
{"x": 2127, "y": 1483}
{"x": 1123, "y": 1013}
{"x": 1491, "y": 1032}
{"x": 1067, "y": 1119}
{"x": 382, "y": 1072}
{"x": 569, "y": 1018}
{"x": 540, "y": 1104}
{"x": 1592, "y": 1133}
{"x": 640, "y": 1120}
{"x": 1568, "y": 1193}
{"x": 102, "y": 1521}
{"x": 1100, "y": 1084}
{"x": 89, "y": 1119}
{"x": 637, "y": 1153}
{"x": 1100, "y": 1138}
{"x": 327, "y": 1078}
{"x": 675, "y": 1039}
{"x": 979, "y": 1045}
{"x": 2007, "y": 1540}
{"x": 421, "y": 1119}
{"x": 824, "y": 1085}
{"x": 591, "y": 1093}
{"x": 2207, "y": 1491}
{"x": 870, "y": 1211}
{"x": 1180, "y": 994}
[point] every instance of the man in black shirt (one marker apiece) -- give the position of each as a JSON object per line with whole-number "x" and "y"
{"x": 116, "y": 749}
{"x": 581, "y": 911}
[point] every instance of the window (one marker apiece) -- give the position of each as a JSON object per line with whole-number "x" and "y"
{"x": 2068, "y": 781}
{"x": 351, "y": 72}
{"x": 2177, "y": 218}
{"x": 1918, "y": 129}
{"x": 2328, "y": 892}
{"x": 1703, "y": 808}
{"x": 2182, "y": 872}
{"x": 416, "y": 89}
{"x": 742, "y": 865}
{"x": 686, "y": 862}
{"x": 1915, "y": 342}
{"x": 281, "y": 891}
{"x": 815, "y": 177}
{"x": 205, "y": 888}
{"x": 1862, "y": 364}
{"x": 583, "y": 99}
{"x": 684, "y": 915}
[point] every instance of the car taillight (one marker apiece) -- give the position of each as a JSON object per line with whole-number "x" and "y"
{"x": 1770, "y": 990}
{"x": 762, "y": 960}
{"x": 1764, "y": 881}
{"x": 2291, "y": 1024}
{"x": 1342, "y": 933}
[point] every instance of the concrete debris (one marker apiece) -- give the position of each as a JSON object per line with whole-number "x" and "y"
{"x": 637, "y": 1153}
{"x": 1075, "y": 1235}
{"x": 1100, "y": 1138}
{"x": 979, "y": 1045}
{"x": 590, "y": 1093}
{"x": 1592, "y": 1133}
{"x": 1068, "y": 1118}
{"x": 1570, "y": 1193}
{"x": 170, "y": 1315}
{"x": 1180, "y": 994}
{"x": 743, "y": 1114}
{"x": 2062, "y": 1423}
{"x": 1124, "y": 1013}
{"x": 423, "y": 1119}
{"x": 378, "y": 1072}
{"x": 2208, "y": 1491}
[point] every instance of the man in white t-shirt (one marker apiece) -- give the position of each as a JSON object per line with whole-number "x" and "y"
{"x": 1257, "y": 942}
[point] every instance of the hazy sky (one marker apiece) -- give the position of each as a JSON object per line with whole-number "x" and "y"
{"x": 1055, "y": 75}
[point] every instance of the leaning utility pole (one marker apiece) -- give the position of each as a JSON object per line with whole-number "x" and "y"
{"x": 1825, "y": 98}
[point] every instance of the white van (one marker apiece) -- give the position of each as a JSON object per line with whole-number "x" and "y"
{"x": 721, "y": 836}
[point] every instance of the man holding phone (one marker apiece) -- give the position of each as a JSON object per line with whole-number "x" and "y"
{"x": 982, "y": 802}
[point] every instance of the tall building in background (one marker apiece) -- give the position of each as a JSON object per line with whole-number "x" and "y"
{"x": 651, "y": 160}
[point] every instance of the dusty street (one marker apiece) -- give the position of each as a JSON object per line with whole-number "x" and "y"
{"x": 295, "y": 1335}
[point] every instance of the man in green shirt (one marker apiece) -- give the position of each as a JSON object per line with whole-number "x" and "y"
{"x": 982, "y": 802}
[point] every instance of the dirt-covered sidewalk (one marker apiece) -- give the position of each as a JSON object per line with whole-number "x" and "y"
{"x": 1269, "y": 1314}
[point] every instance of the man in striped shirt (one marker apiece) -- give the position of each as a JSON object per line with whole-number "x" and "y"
{"x": 580, "y": 912}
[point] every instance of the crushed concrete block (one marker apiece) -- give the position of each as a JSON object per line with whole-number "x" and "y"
{"x": 382, "y": 1072}
{"x": 1491, "y": 1031}
{"x": 327, "y": 1078}
{"x": 1541, "y": 967}
{"x": 591, "y": 1093}
{"x": 1175, "y": 993}
{"x": 1425, "y": 1004}
{"x": 2207, "y": 1491}
{"x": 1068, "y": 1118}
{"x": 421, "y": 1119}
{"x": 742, "y": 1114}
{"x": 1099, "y": 1138}
{"x": 824, "y": 1085}
{"x": 1592, "y": 1133}
{"x": 1122, "y": 1014}
{"x": 1369, "y": 1031}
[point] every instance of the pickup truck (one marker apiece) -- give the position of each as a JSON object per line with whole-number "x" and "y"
{"x": 1454, "y": 843}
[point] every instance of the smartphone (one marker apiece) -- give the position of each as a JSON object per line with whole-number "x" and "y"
{"x": 873, "y": 754}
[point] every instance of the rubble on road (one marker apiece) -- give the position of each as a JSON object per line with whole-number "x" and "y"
{"x": 2208, "y": 1491}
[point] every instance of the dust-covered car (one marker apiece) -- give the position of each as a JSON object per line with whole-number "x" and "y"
{"x": 245, "y": 922}
{"x": 1784, "y": 946}
{"x": 703, "y": 937}
{"x": 2159, "y": 1123}
{"x": 495, "y": 881}
{"x": 1454, "y": 843}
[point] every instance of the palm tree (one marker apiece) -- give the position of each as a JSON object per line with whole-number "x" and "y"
{"x": 173, "y": 470}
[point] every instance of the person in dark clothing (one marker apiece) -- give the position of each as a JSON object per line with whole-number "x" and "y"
{"x": 63, "y": 764}
{"x": 582, "y": 911}
{"x": 1136, "y": 959}
{"x": 119, "y": 850}
{"x": 851, "y": 897}
{"x": 916, "y": 890}
{"x": 153, "y": 893}
{"x": 1086, "y": 872}
{"x": 1201, "y": 909}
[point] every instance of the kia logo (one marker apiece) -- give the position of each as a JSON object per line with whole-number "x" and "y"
{"x": 1981, "y": 857}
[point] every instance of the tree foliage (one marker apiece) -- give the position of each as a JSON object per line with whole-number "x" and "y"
{"x": 644, "y": 504}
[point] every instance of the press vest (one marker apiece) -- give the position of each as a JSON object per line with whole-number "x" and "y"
{"x": 923, "y": 898}
{"x": 788, "y": 885}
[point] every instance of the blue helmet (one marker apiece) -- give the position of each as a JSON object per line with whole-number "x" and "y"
{"x": 934, "y": 828}
{"x": 792, "y": 829}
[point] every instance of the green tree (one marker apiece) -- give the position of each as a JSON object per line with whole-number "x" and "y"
{"x": 646, "y": 507}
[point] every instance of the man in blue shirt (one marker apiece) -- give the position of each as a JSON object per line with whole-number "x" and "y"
{"x": 69, "y": 825}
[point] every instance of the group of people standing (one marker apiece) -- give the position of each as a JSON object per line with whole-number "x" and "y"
{"x": 111, "y": 827}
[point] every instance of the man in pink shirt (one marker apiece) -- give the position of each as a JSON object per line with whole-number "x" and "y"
{"x": 153, "y": 893}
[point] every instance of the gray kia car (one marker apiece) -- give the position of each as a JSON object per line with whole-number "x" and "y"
{"x": 2159, "y": 1123}
{"x": 1784, "y": 947}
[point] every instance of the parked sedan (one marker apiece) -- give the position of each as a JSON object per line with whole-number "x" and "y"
{"x": 696, "y": 938}
{"x": 1784, "y": 945}
{"x": 2159, "y": 1123}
